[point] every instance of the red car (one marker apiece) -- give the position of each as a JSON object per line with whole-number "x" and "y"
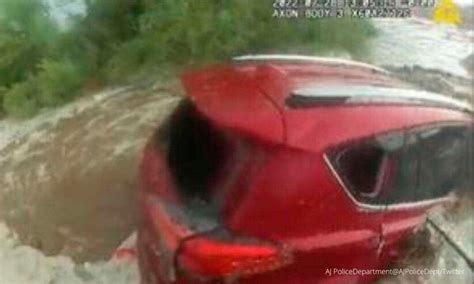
{"x": 292, "y": 169}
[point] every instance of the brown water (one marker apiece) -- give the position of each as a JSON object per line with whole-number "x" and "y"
{"x": 69, "y": 186}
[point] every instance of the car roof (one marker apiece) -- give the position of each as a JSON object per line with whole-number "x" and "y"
{"x": 311, "y": 103}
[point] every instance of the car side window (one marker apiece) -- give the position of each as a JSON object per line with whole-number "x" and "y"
{"x": 444, "y": 160}
{"x": 365, "y": 166}
{"x": 406, "y": 167}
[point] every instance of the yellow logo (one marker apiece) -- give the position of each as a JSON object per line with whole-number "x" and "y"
{"x": 447, "y": 12}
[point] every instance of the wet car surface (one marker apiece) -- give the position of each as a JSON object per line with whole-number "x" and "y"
{"x": 277, "y": 169}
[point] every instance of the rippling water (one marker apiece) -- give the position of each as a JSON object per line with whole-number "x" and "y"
{"x": 420, "y": 42}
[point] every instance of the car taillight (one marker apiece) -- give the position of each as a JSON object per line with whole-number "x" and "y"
{"x": 215, "y": 254}
{"x": 205, "y": 257}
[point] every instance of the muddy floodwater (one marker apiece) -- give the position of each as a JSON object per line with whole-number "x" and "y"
{"x": 69, "y": 186}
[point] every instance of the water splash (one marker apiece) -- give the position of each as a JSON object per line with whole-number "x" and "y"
{"x": 21, "y": 264}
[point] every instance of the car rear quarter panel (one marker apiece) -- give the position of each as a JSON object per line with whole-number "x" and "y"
{"x": 294, "y": 199}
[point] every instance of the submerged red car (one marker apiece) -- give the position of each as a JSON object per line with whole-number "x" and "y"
{"x": 283, "y": 169}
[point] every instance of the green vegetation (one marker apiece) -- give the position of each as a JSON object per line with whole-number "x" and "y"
{"x": 117, "y": 41}
{"x": 19, "y": 100}
{"x": 58, "y": 82}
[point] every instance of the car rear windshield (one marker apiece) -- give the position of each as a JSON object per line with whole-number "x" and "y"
{"x": 206, "y": 161}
